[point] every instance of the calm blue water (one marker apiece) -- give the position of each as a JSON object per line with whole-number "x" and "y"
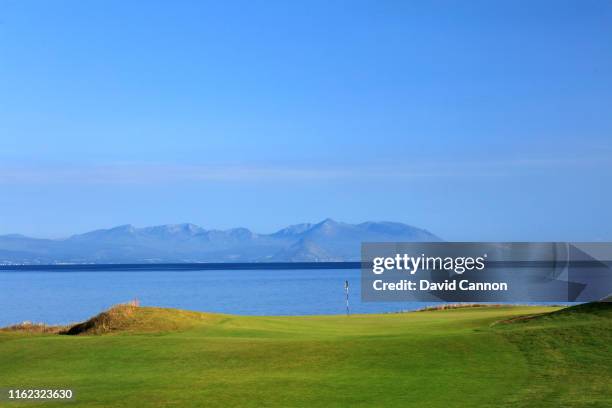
{"x": 63, "y": 297}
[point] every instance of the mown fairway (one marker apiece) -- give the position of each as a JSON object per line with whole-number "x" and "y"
{"x": 453, "y": 358}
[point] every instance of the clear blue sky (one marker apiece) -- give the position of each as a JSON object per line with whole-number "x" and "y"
{"x": 478, "y": 120}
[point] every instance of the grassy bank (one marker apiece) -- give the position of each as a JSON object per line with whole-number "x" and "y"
{"x": 477, "y": 357}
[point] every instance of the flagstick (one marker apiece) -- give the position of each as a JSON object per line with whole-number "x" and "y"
{"x": 346, "y": 290}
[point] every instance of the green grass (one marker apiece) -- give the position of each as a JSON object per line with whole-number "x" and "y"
{"x": 451, "y": 358}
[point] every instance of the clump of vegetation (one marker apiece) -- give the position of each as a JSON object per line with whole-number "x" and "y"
{"x": 447, "y": 306}
{"x": 30, "y": 327}
{"x": 131, "y": 318}
{"x": 115, "y": 318}
{"x": 578, "y": 313}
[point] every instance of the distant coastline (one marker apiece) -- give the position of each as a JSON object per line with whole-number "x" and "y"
{"x": 326, "y": 241}
{"x": 204, "y": 266}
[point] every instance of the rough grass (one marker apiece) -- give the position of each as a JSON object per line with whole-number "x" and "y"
{"x": 34, "y": 328}
{"x": 130, "y": 317}
{"x": 568, "y": 352}
{"x": 117, "y": 318}
{"x": 153, "y": 357}
{"x": 448, "y": 306}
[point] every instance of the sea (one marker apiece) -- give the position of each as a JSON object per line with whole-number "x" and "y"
{"x": 68, "y": 294}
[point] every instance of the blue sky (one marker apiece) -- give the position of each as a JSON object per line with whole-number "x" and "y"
{"x": 477, "y": 120}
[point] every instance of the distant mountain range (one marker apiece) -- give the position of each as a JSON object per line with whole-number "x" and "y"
{"x": 327, "y": 241}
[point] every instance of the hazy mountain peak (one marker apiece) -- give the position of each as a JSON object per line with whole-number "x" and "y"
{"x": 293, "y": 230}
{"x": 120, "y": 229}
{"x": 387, "y": 226}
{"x": 125, "y": 227}
{"x": 15, "y": 236}
{"x": 328, "y": 222}
{"x": 184, "y": 228}
{"x": 329, "y": 227}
